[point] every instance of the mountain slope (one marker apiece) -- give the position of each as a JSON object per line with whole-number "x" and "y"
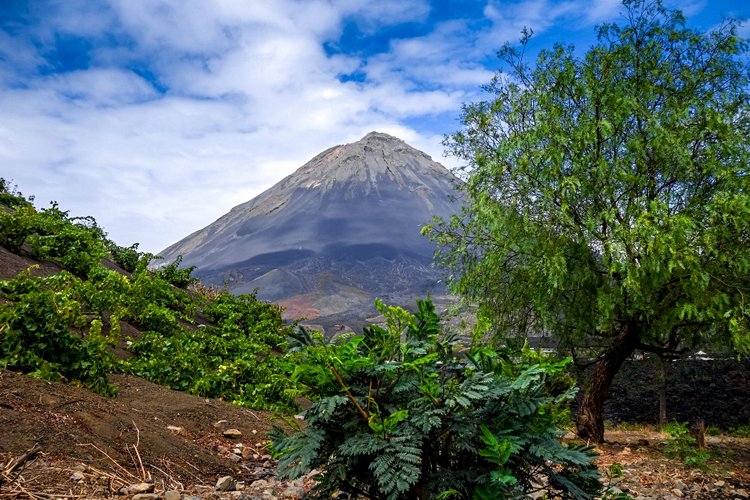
{"x": 348, "y": 219}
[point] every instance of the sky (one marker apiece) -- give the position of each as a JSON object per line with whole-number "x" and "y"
{"x": 156, "y": 117}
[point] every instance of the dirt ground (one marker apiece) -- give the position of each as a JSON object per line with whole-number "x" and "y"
{"x": 147, "y": 431}
{"x": 168, "y": 437}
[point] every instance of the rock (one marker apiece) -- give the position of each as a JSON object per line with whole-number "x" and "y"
{"x": 232, "y": 433}
{"x": 681, "y": 486}
{"x": 172, "y": 495}
{"x": 720, "y": 484}
{"x": 678, "y": 493}
{"x": 293, "y": 492}
{"x": 175, "y": 429}
{"x": 222, "y": 424}
{"x": 77, "y": 476}
{"x": 226, "y": 483}
{"x": 235, "y": 458}
{"x": 260, "y": 483}
{"x": 137, "y": 489}
{"x": 740, "y": 493}
{"x": 145, "y": 496}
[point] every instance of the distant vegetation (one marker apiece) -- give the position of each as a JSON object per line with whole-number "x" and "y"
{"x": 65, "y": 326}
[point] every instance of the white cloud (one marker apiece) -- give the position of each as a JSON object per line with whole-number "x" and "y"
{"x": 185, "y": 109}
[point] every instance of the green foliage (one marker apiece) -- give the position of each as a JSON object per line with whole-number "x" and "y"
{"x": 62, "y": 327}
{"x": 395, "y": 414}
{"x": 10, "y": 197}
{"x": 234, "y": 360}
{"x": 16, "y": 226}
{"x": 126, "y": 257}
{"x": 682, "y": 445}
{"x": 43, "y": 332}
{"x": 77, "y": 243}
{"x": 742, "y": 431}
{"x": 179, "y": 277}
{"x": 607, "y": 195}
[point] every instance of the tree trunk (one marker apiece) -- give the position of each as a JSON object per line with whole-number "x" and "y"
{"x": 589, "y": 421}
{"x": 662, "y": 392}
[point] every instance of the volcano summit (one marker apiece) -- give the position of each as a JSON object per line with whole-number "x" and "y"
{"x": 340, "y": 231}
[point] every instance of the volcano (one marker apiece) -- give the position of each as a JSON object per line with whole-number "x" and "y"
{"x": 329, "y": 238}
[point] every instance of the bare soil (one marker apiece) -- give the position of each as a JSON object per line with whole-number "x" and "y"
{"x": 147, "y": 431}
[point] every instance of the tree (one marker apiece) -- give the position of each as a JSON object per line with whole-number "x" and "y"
{"x": 607, "y": 196}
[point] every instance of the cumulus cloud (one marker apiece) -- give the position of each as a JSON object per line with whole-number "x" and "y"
{"x": 157, "y": 117}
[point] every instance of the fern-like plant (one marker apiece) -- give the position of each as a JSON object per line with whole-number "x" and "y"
{"x": 395, "y": 414}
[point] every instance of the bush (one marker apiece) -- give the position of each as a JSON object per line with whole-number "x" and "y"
{"x": 235, "y": 360}
{"x": 16, "y": 226}
{"x": 395, "y": 417}
{"x": 76, "y": 243}
{"x": 179, "y": 277}
{"x": 39, "y": 333}
{"x": 683, "y": 446}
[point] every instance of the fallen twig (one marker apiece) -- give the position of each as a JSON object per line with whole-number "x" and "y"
{"x": 130, "y": 475}
{"x": 20, "y": 461}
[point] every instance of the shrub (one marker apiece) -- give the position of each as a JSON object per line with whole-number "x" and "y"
{"x": 395, "y": 417}
{"x": 179, "y": 277}
{"x": 43, "y": 329}
{"x": 235, "y": 360}
{"x": 683, "y": 446}
{"x": 125, "y": 257}
{"x": 16, "y": 226}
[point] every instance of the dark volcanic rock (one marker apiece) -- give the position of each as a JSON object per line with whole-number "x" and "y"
{"x": 345, "y": 225}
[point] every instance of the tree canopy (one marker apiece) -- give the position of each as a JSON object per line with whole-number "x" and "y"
{"x": 608, "y": 199}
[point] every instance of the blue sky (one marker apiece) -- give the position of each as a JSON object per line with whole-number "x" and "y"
{"x": 156, "y": 117}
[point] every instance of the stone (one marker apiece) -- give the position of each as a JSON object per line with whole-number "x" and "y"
{"x": 235, "y": 458}
{"x": 145, "y": 496}
{"x": 720, "y": 484}
{"x": 232, "y": 433}
{"x": 226, "y": 483}
{"x": 137, "y": 489}
{"x": 681, "y": 486}
{"x": 741, "y": 493}
{"x": 172, "y": 495}
{"x": 678, "y": 493}
{"x": 221, "y": 424}
{"x": 175, "y": 429}
{"x": 77, "y": 476}
{"x": 260, "y": 483}
{"x": 293, "y": 492}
